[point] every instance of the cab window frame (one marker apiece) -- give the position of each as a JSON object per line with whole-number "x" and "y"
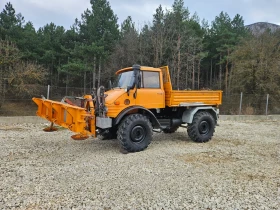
{"x": 143, "y": 79}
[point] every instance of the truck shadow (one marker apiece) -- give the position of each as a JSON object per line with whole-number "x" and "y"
{"x": 113, "y": 145}
{"x": 95, "y": 145}
{"x": 169, "y": 137}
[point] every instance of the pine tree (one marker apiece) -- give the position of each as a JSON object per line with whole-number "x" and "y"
{"x": 10, "y": 23}
{"x": 225, "y": 34}
{"x": 99, "y": 29}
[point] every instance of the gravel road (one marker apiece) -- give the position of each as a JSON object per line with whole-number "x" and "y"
{"x": 238, "y": 169}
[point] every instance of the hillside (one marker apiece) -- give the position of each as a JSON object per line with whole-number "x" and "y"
{"x": 260, "y": 27}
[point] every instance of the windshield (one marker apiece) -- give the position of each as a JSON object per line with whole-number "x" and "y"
{"x": 124, "y": 79}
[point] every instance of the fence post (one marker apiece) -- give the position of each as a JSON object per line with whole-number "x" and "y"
{"x": 240, "y": 106}
{"x": 48, "y": 93}
{"x": 266, "y": 108}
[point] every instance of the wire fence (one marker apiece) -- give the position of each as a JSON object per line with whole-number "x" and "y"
{"x": 233, "y": 104}
{"x": 250, "y": 104}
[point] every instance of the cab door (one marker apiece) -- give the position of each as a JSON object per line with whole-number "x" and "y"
{"x": 151, "y": 95}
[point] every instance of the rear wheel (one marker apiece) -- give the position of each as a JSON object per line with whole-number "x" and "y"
{"x": 202, "y": 128}
{"x": 135, "y": 133}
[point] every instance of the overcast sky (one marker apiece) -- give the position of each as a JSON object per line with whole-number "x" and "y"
{"x": 64, "y": 12}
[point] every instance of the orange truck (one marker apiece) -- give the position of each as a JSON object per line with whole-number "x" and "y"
{"x": 141, "y": 102}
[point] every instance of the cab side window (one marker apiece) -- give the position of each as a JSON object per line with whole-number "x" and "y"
{"x": 150, "y": 79}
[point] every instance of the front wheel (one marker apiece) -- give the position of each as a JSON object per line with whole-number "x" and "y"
{"x": 202, "y": 128}
{"x": 135, "y": 133}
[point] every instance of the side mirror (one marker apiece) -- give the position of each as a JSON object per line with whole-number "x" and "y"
{"x": 128, "y": 89}
{"x": 138, "y": 81}
{"x": 110, "y": 85}
{"x": 137, "y": 75}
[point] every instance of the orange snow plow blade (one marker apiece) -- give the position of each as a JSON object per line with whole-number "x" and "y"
{"x": 74, "y": 118}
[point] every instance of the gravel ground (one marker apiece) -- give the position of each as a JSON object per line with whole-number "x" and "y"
{"x": 238, "y": 169}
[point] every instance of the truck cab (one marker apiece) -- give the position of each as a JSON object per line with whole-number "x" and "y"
{"x": 136, "y": 86}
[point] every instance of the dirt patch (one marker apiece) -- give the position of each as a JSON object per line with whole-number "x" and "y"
{"x": 18, "y": 108}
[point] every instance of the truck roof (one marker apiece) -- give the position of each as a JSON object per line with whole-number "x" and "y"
{"x": 142, "y": 68}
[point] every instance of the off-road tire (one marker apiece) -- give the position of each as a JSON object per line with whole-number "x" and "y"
{"x": 135, "y": 133}
{"x": 202, "y": 128}
{"x": 170, "y": 130}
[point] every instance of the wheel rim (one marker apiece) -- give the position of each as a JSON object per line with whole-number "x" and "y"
{"x": 204, "y": 128}
{"x": 138, "y": 134}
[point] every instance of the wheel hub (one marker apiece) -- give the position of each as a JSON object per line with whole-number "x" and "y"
{"x": 138, "y": 133}
{"x": 204, "y": 127}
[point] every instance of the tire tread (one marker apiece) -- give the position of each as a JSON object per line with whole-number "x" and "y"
{"x": 122, "y": 132}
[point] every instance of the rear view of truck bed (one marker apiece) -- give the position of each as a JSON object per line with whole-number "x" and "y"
{"x": 176, "y": 98}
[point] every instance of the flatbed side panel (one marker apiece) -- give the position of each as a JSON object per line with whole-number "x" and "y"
{"x": 193, "y": 98}
{"x": 65, "y": 115}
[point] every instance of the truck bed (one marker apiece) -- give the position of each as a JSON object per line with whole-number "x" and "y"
{"x": 186, "y": 98}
